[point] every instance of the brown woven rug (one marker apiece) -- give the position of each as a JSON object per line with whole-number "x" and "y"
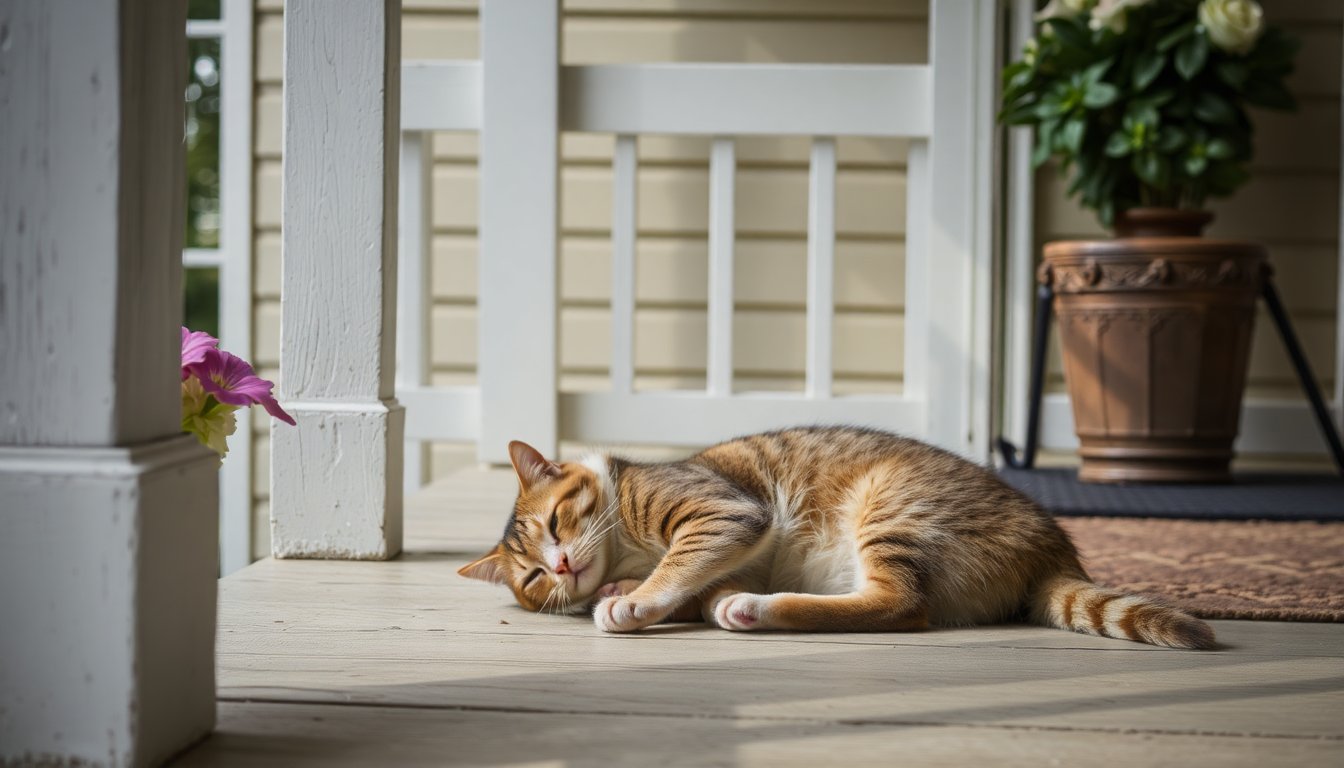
{"x": 1290, "y": 571}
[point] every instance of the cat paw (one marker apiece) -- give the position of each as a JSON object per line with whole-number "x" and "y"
{"x": 622, "y": 614}
{"x": 618, "y": 588}
{"x": 742, "y": 612}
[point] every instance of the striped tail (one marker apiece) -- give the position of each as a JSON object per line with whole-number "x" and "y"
{"x": 1069, "y": 602}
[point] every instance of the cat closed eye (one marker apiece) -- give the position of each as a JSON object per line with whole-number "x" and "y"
{"x": 554, "y": 525}
{"x": 533, "y": 576}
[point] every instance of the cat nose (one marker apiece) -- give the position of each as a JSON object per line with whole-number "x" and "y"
{"x": 563, "y": 566}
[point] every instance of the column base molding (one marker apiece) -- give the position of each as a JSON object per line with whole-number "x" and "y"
{"x": 109, "y": 557}
{"x": 345, "y": 502}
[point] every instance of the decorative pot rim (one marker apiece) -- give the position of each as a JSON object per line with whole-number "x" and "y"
{"x": 1194, "y": 248}
{"x": 1107, "y": 267}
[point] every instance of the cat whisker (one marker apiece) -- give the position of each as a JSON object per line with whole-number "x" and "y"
{"x": 592, "y": 534}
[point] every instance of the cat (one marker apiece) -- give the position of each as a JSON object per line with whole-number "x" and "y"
{"x": 820, "y": 529}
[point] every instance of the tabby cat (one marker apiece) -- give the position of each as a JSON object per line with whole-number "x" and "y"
{"x": 811, "y": 529}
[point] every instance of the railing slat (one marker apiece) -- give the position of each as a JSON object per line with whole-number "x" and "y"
{"x": 414, "y": 287}
{"x": 623, "y": 222}
{"x": 722, "y": 230}
{"x": 917, "y": 213}
{"x": 820, "y": 267}
{"x": 748, "y": 99}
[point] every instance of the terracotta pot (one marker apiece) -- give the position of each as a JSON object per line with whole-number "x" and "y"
{"x": 1155, "y": 333}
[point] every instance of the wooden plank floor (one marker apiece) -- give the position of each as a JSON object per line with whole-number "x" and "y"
{"x": 405, "y": 663}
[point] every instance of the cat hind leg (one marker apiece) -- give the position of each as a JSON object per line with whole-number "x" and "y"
{"x": 876, "y": 608}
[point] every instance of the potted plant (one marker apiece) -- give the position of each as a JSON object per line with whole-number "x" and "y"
{"x": 1143, "y": 103}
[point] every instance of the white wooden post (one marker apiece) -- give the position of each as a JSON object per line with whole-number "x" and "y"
{"x": 917, "y": 219}
{"x": 413, "y": 272}
{"x": 336, "y": 478}
{"x": 519, "y": 154}
{"x": 624, "y": 223}
{"x": 958, "y": 237}
{"x": 820, "y": 268}
{"x": 108, "y": 514}
{"x": 722, "y": 238}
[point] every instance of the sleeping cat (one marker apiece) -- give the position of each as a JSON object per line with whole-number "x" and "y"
{"x": 811, "y": 529}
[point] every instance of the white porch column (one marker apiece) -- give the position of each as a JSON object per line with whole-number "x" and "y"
{"x": 959, "y": 268}
{"x": 336, "y": 478}
{"x": 518, "y": 312}
{"x": 108, "y": 514}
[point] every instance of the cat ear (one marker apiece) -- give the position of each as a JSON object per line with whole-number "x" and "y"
{"x": 530, "y": 465}
{"x": 488, "y": 568}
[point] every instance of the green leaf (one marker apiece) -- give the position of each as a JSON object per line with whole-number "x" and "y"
{"x": 1047, "y": 109}
{"x": 1212, "y": 108}
{"x": 1100, "y": 95}
{"x": 1106, "y": 213}
{"x": 1045, "y": 136}
{"x": 1071, "y": 135}
{"x": 1020, "y": 79}
{"x": 1192, "y": 54}
{"x": 1071, "y": 32}
{"x": 1149, "y": 167}
{"x": 1219, "y": 149}
{"x": 1175, "y": 36}
{"x": 1171, "y": 139}
{"x": 1232, "y": 72}
{"x": 1148, "y": 67}
{"x": 1118, "y": 145}
{"x": 1195, "y": 164}
{"x": 1094, "y": 73}
{"x": 1143, "y": 113}
{"x": 1020, "y": 115}
{"x": 1155, "y": 99}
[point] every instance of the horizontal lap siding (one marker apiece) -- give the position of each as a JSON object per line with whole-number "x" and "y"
{"x": 672, "y": 265}
{"x": 1292, "y": 205}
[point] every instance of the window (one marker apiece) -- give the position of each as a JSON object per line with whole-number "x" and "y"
{"x": 217, "y": 285}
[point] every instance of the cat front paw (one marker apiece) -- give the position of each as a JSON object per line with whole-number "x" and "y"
{"x": 743, "y": 612}
{"x": 618, "y": 588}
{"x": 624, "y": 614}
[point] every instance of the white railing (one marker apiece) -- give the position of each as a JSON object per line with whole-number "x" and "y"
{"x": 335, "y": 490}
{"x": 946, "y": 251}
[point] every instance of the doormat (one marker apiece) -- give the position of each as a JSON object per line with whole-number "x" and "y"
{"x": 1248, "y": 497}
{"x": 1219, "y": 569}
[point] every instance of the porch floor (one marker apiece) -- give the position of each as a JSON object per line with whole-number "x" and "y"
{"x": 405, "y": 663}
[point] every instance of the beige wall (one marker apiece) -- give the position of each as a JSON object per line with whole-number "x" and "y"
{"x": 1293, "y": 205}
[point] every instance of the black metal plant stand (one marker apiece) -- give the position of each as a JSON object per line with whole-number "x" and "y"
{"x": 1044, "y": 308}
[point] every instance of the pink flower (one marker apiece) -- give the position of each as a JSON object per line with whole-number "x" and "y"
{"x": 194, "y": 345}
{"x": 233, "y": 382}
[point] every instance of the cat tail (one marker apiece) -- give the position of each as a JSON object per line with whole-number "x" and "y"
{"x": 1070, "y": 602}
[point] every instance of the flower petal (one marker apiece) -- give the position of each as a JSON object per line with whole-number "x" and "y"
{"x": 232, "y": 380}
{"x": 194, "y": 346}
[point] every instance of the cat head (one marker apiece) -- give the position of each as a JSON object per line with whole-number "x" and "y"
{"x": 554, "y": 552}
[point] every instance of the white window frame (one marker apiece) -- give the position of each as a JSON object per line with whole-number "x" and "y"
{"x": 233, "y": 258}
